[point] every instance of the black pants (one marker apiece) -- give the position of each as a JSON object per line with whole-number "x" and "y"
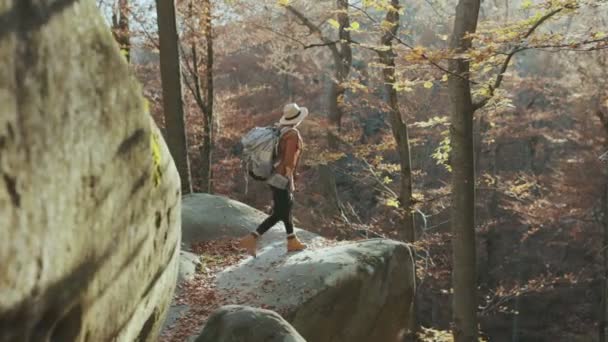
{"x": 281, "y": 211}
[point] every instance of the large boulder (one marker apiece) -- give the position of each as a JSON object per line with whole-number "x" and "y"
{"x": 355, "y": 291}
{"x": 209, "y": 217}
{"x": 189, "y": 265}
{"x": 361, "y": 291}
{"x": 246, "y": 324}
{"x": 89, "y": 195}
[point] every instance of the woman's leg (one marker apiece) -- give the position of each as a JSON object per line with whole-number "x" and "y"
{"x": 275, "y": 217}
{"x": 286, "y": 212}
{"x": 293, "y": 243}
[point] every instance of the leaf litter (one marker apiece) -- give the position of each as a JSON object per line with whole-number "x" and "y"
{"x": 203, "y": 297}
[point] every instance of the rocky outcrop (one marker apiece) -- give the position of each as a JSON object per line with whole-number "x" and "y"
{"x": 189, "y": 265}
{"x": 89, "y": 195}
{"x": 354, "y": 291}
{"x": 360, "y": 291}
{"x": 246, "y": 324}
{"x": 207, "y": 217}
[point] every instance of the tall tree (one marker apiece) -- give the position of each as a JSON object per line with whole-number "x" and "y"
{"x": 462, "y": 158}
{"x": 170, "y": 72}
{"x": 120, "y": 26}
{"x": 462, "y": 212}
{"x": 399, "y": 128}
{"x": 603, "y": 321}
{"x": 398, "y": 125}
{"x": 207, "y": 149}
{"x": 200, "y": 28}
{"x": 343, "y": 62}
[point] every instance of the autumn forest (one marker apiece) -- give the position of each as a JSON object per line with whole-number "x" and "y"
{"x": 468, "y": 137}
{"x": 471, "y": 130}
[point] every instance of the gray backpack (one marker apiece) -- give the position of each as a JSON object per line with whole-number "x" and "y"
{"x": 259, "y": 151}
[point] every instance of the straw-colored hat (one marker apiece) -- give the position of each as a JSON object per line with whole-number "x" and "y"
{"x": 293, "y": 115}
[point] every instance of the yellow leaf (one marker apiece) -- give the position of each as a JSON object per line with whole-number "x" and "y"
{"x": 283, "y": 2}
{"x": 368, "y": 3}
{"x": 428, "y": 84}
{"x": 485, "y": 91}
{"x": 387, "y": 25}
{"x": 402, "y": 86}
{"x": 392, "y": 202}
{"x": 418, "y": 197}
{"x": 334, "y": 23}
{"x": 526, "y": 4}
{"x": 444, "y": 78}
{"x": 355, "y": 26}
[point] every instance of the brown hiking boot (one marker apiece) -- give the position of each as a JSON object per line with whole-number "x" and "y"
{"x": 294, "y": 245}
{"x": 250, "y": 243}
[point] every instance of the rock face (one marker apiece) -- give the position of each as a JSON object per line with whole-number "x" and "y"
{"x": 208, "y": 217}
{"x": 189, "y": 263}
{"x": 89, "y": 195}
{"x": 246, "y": 324}
{"x": 359, "y": 291}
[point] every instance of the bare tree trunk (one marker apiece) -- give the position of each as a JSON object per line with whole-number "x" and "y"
{"x": 170, "y": 71}
{"x": 603, "y": 318}
{"x": 398, "y": 125}
{"x": 603, "y": 324}
{"x": 399, "y": 128}
{"x": 335, "y": 114}
{"x": 342, "y": 61}
{"x": 462, "y": 214}
{"x": 193, "y": 82}
{"x": 207, "y": 150}
{"x": 329, "y": 189}
{"x": 287, "y": 82}
{"x": 120, "y": 26}
{"x": 400, "y": 133}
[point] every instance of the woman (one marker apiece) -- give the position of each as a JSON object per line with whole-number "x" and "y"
{"x": 282, "y": 183}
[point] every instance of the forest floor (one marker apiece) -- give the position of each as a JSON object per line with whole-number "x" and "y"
{"x": 200, "y": 296}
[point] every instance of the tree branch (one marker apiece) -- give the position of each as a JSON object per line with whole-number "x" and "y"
{"x": 278, "y": 33}
{"x": 542, "y": 20}
{"x": 401, "y": 42}
{"x": 148, "y": 35}
{"x": 315, "y": 29}
{"x": 191, "y": 76}
{"x": 376, "y": 177}
{"x": 572, "y": 46}
{"x": 515, "y": 50}
{"x": 310, "y": 46}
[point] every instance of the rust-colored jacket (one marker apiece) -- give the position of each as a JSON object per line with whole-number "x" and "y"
{"x": 289, "y": 151}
